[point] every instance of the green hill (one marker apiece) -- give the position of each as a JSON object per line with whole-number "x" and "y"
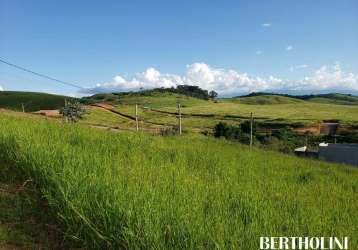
{"x": 331, "y": 98}
{"x": 266, "y": 99}
{"x": 32, "y": 101}
{"x": 155, "y": 99}
{"x": 335, "y": 98}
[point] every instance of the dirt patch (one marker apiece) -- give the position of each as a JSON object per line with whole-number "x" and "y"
{"x": 312, "y": 129}
{"x": 48, "y": 113}
{"x": 24, "y": 219}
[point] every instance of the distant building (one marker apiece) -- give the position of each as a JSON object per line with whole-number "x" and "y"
{"x": 339, "y": 153}
{"x": 328, "y": 128}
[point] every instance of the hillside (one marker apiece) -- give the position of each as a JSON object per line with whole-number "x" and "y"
{"x": 134, "y": 191}
{"x": 335, "y": 99}
{"x": 265, "y": 100}
{"x": 331, "y": 98}
{"x": 159, "y": 108}
{"x": 155, "y": 99}
{"x": 32, "y": 101}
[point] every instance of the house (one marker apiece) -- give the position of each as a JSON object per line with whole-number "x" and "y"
{"x": 339, "y": 153}
{"x": 328, "y": 128}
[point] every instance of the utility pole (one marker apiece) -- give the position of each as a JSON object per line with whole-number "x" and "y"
{"x": 136, "y": 116}
{"x": 179, "y": 116}
{"x": 23, "y": 108}
{"x": 66, "y": 118}
{"x": 251, "y": 126}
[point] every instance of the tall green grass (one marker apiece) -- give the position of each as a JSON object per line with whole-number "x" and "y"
{"x": 133, "y": 191}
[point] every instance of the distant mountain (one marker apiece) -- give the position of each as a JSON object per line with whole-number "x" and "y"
{"x": 32, "y": 101}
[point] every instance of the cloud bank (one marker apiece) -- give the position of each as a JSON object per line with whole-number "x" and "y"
{"x": 1, "y": 88}
{"x": 230, "y": 82}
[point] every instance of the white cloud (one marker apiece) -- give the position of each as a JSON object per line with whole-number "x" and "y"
{"x": 289, "y": 47}
{"x": 297, "y": 67}
{"x": 1, "y": 88}
{"x": 266, "y": 25}
{"x": 330, "y": 77}
{"x": 258, "y": 52}
{"x": 227, "y": 82}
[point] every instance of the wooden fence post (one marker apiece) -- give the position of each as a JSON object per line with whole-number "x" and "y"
{"x": 179, "y": 116}
{"x": 251, "y": 127}
{"x": 136, "y": 116}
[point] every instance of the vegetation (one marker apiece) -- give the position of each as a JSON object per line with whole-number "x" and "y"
{"x": 31, "y": 101}
{"x": 155, "y": 99}
{"x": 73, "y": 111}
{"x": 284, "y": 140}
{"x": 181, "y": 92}
{"x": 233, "y": 132}
{"x": 127, "y": 190}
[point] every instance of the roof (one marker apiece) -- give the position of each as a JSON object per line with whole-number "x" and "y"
{"x": 339, "y": 145}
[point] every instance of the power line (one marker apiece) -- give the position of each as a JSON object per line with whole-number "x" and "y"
{"x": 41, "y": 75}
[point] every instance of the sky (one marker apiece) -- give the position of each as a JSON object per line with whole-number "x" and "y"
{"x": 232, "y": 47}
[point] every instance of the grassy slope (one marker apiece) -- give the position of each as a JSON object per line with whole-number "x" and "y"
{"x": 137, "y": 191}
{"x": 32, "y": 101}
{"x": 265, "y": 100}
{"x": 97, "y": 116}
{"x": 335, "y": 99}
{"x": 304, "y": 111}
{"x": 332, "y": 98}
{"x": 153, "y": 99}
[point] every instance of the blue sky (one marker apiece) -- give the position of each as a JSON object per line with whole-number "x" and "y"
{"x": 230, "y": 46}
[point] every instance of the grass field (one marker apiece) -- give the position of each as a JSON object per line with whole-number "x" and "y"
{"x": 304, "y": 112}
{"x": 153, "y": 99}
{"x": 128, "y": 190}
{"x": 233, "y": 111}
{"x": 268, "y": 109}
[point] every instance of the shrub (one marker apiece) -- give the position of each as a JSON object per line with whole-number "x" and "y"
{"x": 73, "y": 111}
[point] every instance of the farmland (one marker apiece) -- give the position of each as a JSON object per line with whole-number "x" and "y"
{"x": 132, "y": 190}
{"x": 204, "y": 114}
{"x": 160, "y": 107}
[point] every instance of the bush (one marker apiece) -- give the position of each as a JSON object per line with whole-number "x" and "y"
{"x": 231, "y": 132}
{"x": 169, "y": 131}
{"x": 73, "y": 111}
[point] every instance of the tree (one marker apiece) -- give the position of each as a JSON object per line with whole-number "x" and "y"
{"x": 72, "y": 111}
{"x": 213, "y": 94}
